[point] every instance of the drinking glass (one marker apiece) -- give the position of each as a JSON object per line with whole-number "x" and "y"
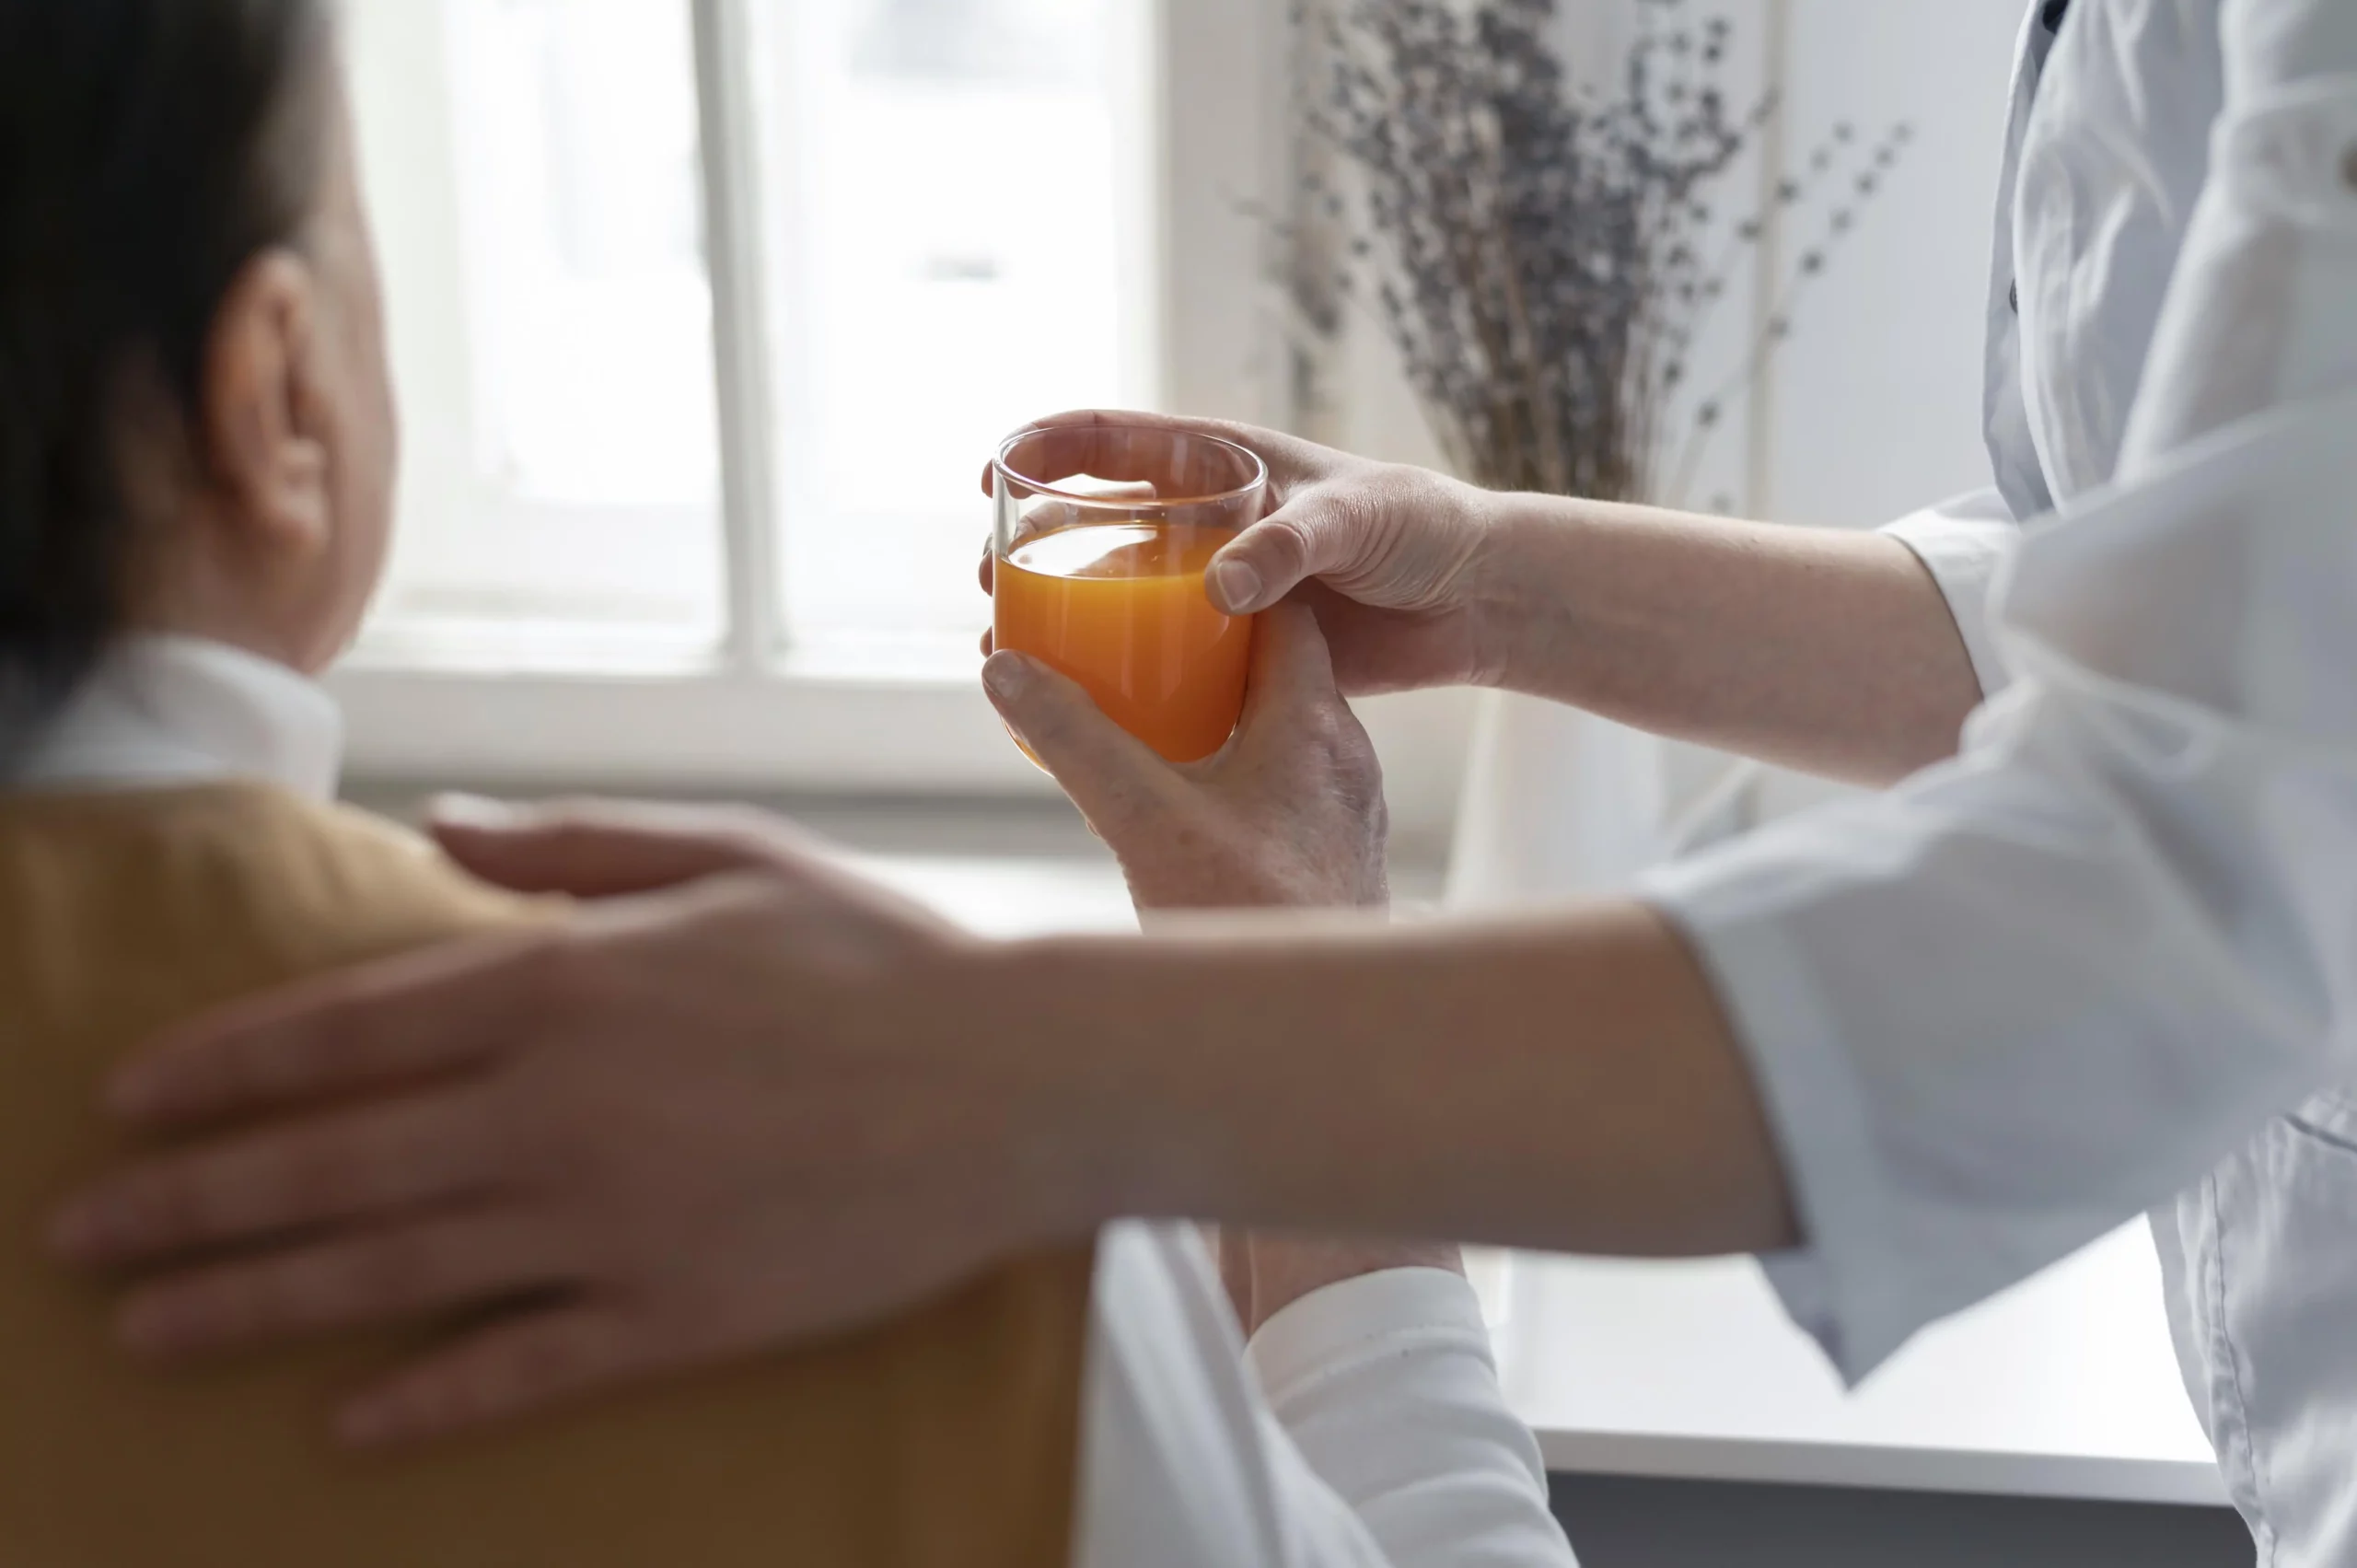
{"x": 1103, "y": 535}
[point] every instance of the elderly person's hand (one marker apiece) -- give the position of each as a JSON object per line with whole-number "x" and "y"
{"x": 1289, "y": 814}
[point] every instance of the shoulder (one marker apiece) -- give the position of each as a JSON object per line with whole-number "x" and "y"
{"x": 319, "y": 881}
{"x": 139, "y": 908}
{"x": 384, "y": 882}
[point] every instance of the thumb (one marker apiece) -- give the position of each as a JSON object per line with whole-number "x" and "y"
{"x": 1311, "y": 536}
{"x": 602, "y": 848}
{"x": 1108, "y": 772}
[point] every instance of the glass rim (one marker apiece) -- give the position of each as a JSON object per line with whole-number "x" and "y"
{"x": 1258, "y": 485}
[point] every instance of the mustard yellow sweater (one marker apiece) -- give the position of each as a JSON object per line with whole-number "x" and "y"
{"x": 946, "y": 1438}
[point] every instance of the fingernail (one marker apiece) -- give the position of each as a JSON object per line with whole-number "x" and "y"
{"x": 1007, "y": 676}
{"x": 1236, "y": 587}
{"x": 473, "y": 811}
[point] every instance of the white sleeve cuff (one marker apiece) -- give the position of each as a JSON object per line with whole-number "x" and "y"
{"x": 1388, "y": 1387}
{"x": 1964, "y": 543}
{"x": 1817, "y": 1110}
{"x": 1329, "y": 1331}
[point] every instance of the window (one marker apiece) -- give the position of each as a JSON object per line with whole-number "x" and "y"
{"x": 707, "y": 314}
{"x": 535, "y": 172}
{"x": 963, "y": 202}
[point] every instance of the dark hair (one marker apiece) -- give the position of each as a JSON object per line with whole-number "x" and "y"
{"x": 149, "y": 149}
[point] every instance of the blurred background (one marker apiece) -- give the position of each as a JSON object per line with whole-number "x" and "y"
{"x": 707, "y": 316}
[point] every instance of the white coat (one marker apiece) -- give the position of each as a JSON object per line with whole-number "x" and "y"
{"x": 2003, "y": 1009}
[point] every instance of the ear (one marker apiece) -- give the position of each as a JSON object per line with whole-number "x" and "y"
{"x": 265, "y": 455}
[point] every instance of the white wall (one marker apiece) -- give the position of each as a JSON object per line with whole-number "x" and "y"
{"x": 1875, "y": 404}
{"x": 1873, "y": 407}
{"x": 1876, "y": 401}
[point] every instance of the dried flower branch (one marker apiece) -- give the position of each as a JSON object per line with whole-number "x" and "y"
{"x": 1544, "y": 258}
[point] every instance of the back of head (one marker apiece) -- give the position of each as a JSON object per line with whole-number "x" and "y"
{"x": 148, "y": 150}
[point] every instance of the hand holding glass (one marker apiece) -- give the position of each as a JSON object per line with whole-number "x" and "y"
{"x": 1103, "y": 536}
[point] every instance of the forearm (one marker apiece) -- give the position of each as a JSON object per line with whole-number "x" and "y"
{"x": 1821, "y": 649}
{"x": 1564, "y": 1083}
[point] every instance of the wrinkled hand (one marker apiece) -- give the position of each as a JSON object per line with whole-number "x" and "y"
{"x": 1290, "y": 814}
{"x": 1394, "y": 559}
{"x": 598, "y": 1130}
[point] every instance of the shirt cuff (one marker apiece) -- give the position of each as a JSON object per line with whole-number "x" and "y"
{"x": 1332, "y": 1331}
{"x": 1815, "y": 1108}
{"x": 1963, "y": 544}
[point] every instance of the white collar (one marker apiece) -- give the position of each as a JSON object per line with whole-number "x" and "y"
{"x": 162, "y": 711}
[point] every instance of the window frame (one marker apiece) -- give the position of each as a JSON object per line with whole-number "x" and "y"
{"x": 758, "y": 711}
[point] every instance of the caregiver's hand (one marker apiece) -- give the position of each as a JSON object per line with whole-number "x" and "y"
{"x": 1397, "y": 559}
{"x": 1290, "y": 814}
{"x": 607, "y": 1131}
{"x": 1823, "y": 649}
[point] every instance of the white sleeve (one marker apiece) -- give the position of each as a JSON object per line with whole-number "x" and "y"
{"x": 1185, "y": 1465}
{"x": 1388, "y": 1386}
{"x": 1999, "y": 1011}
{"x": 1964, "y": 543}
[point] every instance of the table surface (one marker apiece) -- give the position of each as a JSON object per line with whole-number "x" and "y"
{"x": 2065, "y": 1387}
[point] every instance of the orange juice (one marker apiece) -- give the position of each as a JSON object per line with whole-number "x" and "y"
{"x": 1121, "y": 608}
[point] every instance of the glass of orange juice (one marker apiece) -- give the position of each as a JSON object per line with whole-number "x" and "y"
{"x": 1103, "y": 535}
